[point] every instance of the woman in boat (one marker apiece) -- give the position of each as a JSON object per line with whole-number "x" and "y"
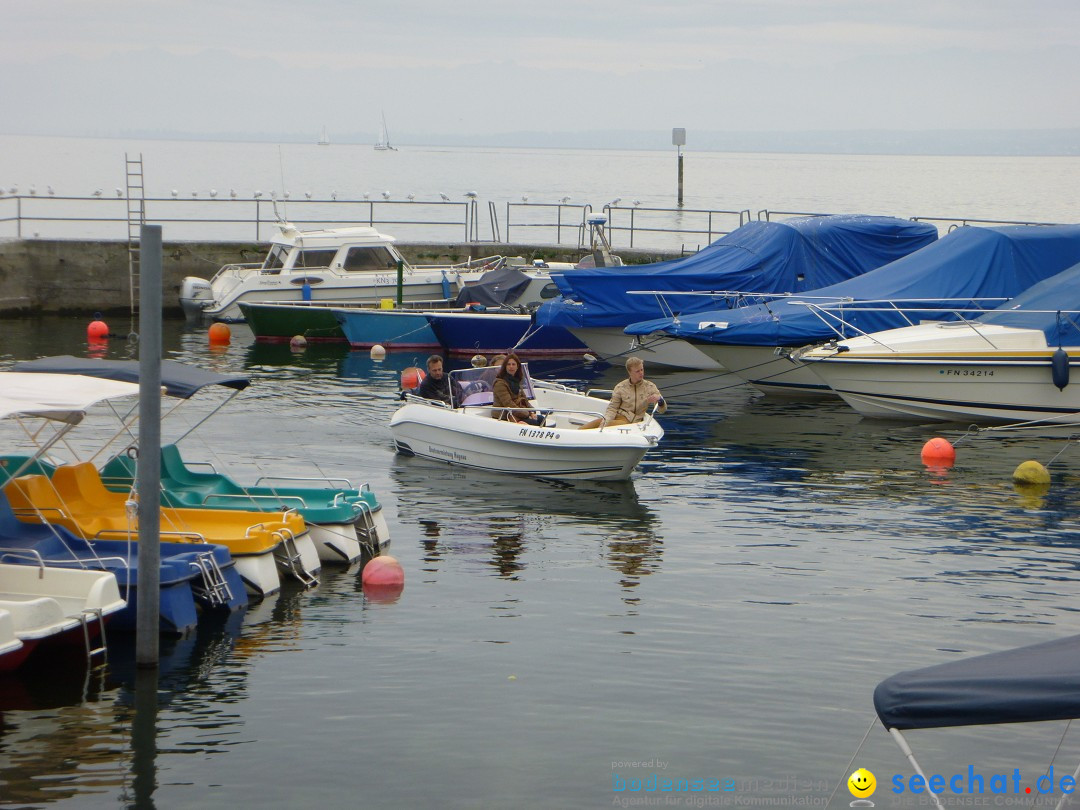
{"x": 630, "y": 399}
{"x": 507, "y": 393}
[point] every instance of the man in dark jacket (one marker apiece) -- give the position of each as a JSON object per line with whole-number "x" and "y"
{"x": 438, "y": 385}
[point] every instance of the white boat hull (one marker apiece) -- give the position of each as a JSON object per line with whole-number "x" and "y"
{"x": 763, "y": 368}
{"x": 45, "y": 602}
{"x": 345, "y": 543}
{"x": 470, "y": 437}
{"x": 259, "y": 573}
{"x": 658, "y": 349}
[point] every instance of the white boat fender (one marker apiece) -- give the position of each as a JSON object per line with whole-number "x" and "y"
{"x": 1059, "y": 368}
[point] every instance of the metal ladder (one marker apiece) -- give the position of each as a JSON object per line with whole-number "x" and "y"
{"x": 136, "y": 218}
{"x": 366, "y": 532}
{"x": 289, "y": 556}
{"x": 84, "y": 617}
{"x": 214, "y": 588}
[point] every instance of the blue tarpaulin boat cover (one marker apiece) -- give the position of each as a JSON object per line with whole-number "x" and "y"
{"x": 1023, "y": 685}
{"x": 1052, "y": 306}
{"x": 795, "y": 255}
{"x": 177, "y": 379}
{"x": 966, "y": 265}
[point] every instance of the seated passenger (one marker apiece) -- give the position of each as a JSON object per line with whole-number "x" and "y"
{"x": 630, "y": 399}
{"x": 439, "y": 386}
{"x": 507, "y": 393}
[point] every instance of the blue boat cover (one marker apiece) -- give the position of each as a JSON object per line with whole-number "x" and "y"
{"x": 1023, "y": 685}
{"x": 1052, "y": 305}
{"x": 956, "y": 271}
{"x": 495, "y": 288}
{"x": 177, "y": 379}
{"x": 762, "y": 257}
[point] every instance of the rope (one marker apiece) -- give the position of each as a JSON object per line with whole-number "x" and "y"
{"x": 847, "y": 770}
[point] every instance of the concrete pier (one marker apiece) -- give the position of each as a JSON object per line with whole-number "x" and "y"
{"x": 61, "y": 277}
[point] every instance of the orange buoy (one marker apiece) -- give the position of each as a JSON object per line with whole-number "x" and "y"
{"x": 938, "y": 452}
{"x": 97, "y": 330}
{"x": 412, "y": 377}
{"x": 219, "y": 333}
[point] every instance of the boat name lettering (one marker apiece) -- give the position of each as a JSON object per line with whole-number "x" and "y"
{"x": 451, "y": 454}
{"x": 968, "y": 372}
{"x": 538, "y": 434}
{"x": 381, "y": 279}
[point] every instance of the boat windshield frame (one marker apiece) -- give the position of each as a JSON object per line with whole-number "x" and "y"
{"x": 485, "y": 376}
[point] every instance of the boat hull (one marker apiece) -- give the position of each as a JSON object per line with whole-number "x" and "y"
{"x": 390, "y": 328}
{"x": 658, "y": 349}
{"x": 1004, "y": 387}
{"x": 280, "y": 323}
{"x": 495, "y": 332}
{"x": 773, "y": 373}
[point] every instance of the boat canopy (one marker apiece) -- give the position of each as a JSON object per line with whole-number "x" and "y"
{"x": 969, "y": 265}
{"x": 495, "y": 288}
{"x": 62, "y": 397}
{"x": 178, "y": 379}
{"x": 794, "y": 255}
{"x": 1023, "y": 685}
{"x": 1052, "y": 306}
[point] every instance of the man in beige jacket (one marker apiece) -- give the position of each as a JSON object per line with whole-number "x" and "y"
{"x": 630, "y": 399}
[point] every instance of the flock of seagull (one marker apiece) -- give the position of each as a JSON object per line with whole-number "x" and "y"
{"x": 213, "y": 193}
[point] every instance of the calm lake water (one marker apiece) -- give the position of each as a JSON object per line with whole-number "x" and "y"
{"x": 725, "y": 615}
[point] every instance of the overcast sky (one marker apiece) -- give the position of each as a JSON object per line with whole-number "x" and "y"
{"x": 108, "y": 67}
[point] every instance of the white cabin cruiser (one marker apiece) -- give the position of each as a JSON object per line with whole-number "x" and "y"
{"x": 334, "y": 264}
{"x": 469, "y": 434}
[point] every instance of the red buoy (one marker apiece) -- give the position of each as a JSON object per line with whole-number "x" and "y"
{"x": 938, "y": 452}
{"x": 412, "y": 377}
{"x": 383, "y": 579}
{"x": 97, "y": 330}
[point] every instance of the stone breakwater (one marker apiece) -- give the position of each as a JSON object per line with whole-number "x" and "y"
{"x": 77, "y": 277}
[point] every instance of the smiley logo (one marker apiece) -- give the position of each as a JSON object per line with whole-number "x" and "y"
{"x": 862, "y": 783}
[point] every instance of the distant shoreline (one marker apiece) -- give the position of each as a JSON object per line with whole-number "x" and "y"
{"x": 922, "y": 143}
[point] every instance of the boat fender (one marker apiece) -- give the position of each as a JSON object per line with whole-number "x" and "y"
{"x": 1059, "y": 368}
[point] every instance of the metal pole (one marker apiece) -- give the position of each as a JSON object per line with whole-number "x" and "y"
{"x": 400, "y": 280}
{"x": 149, "y": 469}
{"x": 680, "y": 177}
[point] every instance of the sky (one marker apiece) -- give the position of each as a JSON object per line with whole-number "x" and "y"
{"x": 474, "y": 67}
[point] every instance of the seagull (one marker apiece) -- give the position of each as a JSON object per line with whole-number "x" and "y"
{"x": 232, "y": 193}
{"x": 445, "y": 198}
{"x": 637, "y": 202}
{"x": 119, "y": 192}
{"x": 565, "y": 200}
{"x": 50, "y": 190}
{"x": 194, "y": 194}
{"x": 411, "y": 196}
{"x": 307, "y": 194}
{"x": 13, "y": 190}
{"x": 273, "y": 195}
{"x": 333, "y": 195}
{"x": 615, "y": 202}
{"x": 472, "y": 195}
{"x": 213, "y": 192}
{"x": 33, "y": 191}
{"x": 258, "y": 194}
{"x": 175, "y": 192}
{"x": 524, "y": 198}
{"x": 365, "y": 195}
{"x": 386, "y": 195}
{"x": 97, "y": 193}
{"x": 285, "y": 195}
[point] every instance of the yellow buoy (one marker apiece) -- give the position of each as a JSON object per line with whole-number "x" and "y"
{"x": 1031, "y": 473}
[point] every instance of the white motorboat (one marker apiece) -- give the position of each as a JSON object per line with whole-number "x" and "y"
{"x": 333, "y": 264}
{"x": 47, "y": 604}
{"x": 1009, "y": 365}
{"x": 657, "y": 349}
{"x": 469, "y": 435}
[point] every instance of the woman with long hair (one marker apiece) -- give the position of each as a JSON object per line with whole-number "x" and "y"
{"x": 508, "y": 393}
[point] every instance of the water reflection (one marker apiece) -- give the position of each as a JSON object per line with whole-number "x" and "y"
{"x": 461, "y": 512}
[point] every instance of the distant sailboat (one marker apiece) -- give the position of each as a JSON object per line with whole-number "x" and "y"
{"x": 383, "y": 144}
{"x": 324, "y": 139}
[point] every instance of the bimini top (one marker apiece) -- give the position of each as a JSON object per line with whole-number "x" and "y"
{"x": 1039, "y": 308}
{"x": 56, "y": 396}
{"x": 1022, "y": 685}
{"x": 177, "y": 379}
{"x": 968, "y": 264}
{"x": 761, "y": 257}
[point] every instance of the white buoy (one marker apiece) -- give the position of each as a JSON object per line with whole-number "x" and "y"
{"x": 378, "y": 352}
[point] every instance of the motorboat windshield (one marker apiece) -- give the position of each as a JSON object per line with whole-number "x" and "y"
{"x": 477, "y": 383}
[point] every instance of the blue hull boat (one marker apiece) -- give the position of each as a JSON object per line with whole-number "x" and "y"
{"x": 494, "y": 332}
{"x": 392, "y": 328}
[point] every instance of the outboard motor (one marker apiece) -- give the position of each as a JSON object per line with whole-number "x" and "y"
{"x": 195, "y": 296}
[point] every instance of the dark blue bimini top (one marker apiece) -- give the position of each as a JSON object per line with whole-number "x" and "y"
{"x": 760, "y": 257}
{"x": 964, "y": 266}
{"x": 178, "y": 379}
{"x": 1023, "y": 685}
